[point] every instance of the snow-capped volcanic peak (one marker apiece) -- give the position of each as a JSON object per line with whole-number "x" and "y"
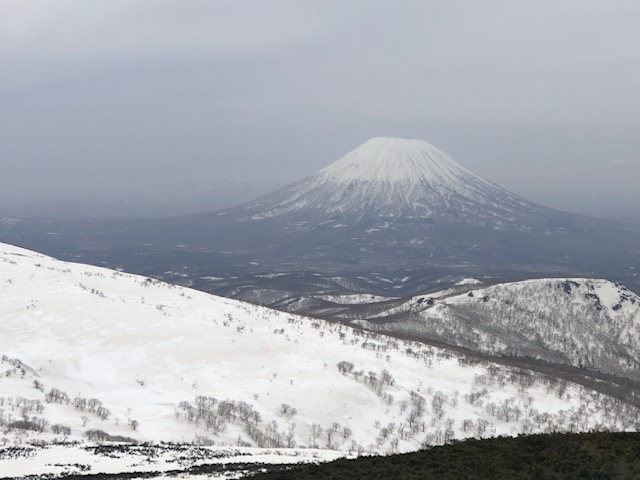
{"x": 392, "y": 159}
{"x": 390, "y": 178}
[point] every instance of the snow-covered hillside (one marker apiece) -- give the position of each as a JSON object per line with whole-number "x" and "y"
{"x": 160, "y": 461}
{"x": 391, "y": 177}
{"x": 581, "y": 322}
{"x": 90, "y": 353}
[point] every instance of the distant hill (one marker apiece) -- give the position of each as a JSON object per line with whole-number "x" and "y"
{"x": 586, "y": 323}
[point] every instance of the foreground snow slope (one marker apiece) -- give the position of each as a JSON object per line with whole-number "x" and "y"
{"x": 94, "y": 353}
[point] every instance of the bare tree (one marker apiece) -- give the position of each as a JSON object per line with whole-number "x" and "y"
{"x": 316, "y": 431}
{"x": 133, "y": 424}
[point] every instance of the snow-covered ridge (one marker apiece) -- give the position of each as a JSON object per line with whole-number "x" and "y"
{"x": 94, "y": 354}
{"x": 583, "y": 322}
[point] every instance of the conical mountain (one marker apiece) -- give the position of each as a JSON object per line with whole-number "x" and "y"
{"x": 388, "y": 178}
{"x": 393, "y": 216}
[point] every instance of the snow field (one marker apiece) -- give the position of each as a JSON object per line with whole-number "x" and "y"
{"x": 148, "y": 350}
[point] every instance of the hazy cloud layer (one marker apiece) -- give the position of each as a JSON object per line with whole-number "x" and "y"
{"x": 114, "y": 95}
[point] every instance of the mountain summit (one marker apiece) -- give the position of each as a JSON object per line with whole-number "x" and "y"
{"x": 395, "y": 160}
{"x": 389, "y": 177}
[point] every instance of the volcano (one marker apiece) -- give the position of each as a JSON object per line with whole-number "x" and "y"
{"x": 388, "y": 178}
{"x": 392, "y": 217}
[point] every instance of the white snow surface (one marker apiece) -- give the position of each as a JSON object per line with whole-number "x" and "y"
{"x": 88, "y": 460}
{"x": 468, "y": 281}
{"x": 191, "y": 367}
{"x": 354, "y": 298}
{"x": 392, "y": 160}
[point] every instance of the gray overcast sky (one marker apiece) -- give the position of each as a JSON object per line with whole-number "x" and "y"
{"x": 112, "y": 95}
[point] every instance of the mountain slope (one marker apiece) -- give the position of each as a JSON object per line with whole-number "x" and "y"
{"x": 387, "y": 178}
{"x": 586, "y": 323}
{"x": 98, "y": 354}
